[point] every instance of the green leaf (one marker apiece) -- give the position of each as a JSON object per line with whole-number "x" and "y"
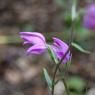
{"x": 80, "y": 48}
{"x": 52, "y": 54}
{"x": 73, "y": 10}
{"x": 47, "y": 77}
{"x": 76, "y": 83}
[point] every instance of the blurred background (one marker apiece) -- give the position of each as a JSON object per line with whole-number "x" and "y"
{"x": 21, "y": 74}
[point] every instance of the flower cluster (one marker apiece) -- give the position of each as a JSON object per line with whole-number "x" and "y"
{"x": 39, "y": 45}
{"x": 89, "y": 17}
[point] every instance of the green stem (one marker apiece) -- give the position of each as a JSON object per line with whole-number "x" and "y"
{"x": 58, "y": 65}
{"x": 72, "y": 35}
{"x": 56, "y": 69}
{"x": 63, "y": 80}
{"x": 66, "y": 87}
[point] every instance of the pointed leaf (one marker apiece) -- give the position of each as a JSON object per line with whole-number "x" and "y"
{"x": 52, "y": 54}
{"x": 47, "y": 77}
{"x": 80, "y": 48}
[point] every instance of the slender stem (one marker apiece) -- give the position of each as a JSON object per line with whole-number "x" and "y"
{"x": 56, "y": 69}
{"x": 63, "y": 80}
{"x": 58, "y": 65}
{"x": 66, "y": 87}
{"x": 72, "y": 35}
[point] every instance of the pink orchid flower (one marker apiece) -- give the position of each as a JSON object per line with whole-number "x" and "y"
{"x": 37, "y": 40}
{"x": 60, "y": 48}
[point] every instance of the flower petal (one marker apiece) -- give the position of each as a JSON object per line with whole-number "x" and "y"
{"x": 89, "y": 17}
{"x": 66, "y": 59}
{"x": 60, "y": 48}
{"x": 60, "y": 43}
{"x": 59, "y": 53}
{"x": 32, "y": 40}
{"x": 36, "y": 49}
{"x": 35, "y": 37}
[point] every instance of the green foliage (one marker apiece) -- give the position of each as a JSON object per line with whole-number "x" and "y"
{"x": 78, "y": 47}
{"x": 52, "y": 54}
{"x": 67, "y": 18}
{"x": 76, "y": 83}
{"x": 47, "y": 78}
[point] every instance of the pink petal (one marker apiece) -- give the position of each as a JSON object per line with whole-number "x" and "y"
{"x": 36, "y": 49}
{"x": 33, "y": 34}
{"x": 60, "y": 53}
{"x": 89, "y": 17}
{"x": 32, "y": 39}
{"x": 60, "y": 43}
